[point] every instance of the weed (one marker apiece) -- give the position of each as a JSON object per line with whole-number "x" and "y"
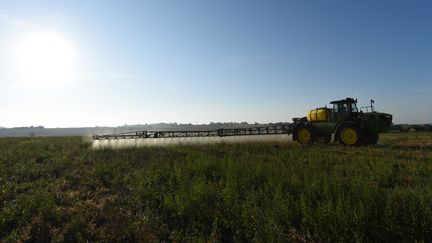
{"x": 61, "y": 189}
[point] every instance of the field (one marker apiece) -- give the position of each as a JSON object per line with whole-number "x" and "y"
{"x": 59, "y": 189}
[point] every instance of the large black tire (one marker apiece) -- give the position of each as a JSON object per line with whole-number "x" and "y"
{"x": 371, "y": 138}
{"x": 327, "y": 138}
{"x": 304, "y": 134}
{"x": 350, "y": 135}
{"x": 374, "y": 138}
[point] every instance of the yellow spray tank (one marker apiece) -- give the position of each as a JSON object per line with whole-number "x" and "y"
{"x": 319, "y": 114}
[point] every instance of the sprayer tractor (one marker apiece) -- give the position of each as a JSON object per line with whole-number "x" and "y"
{"x": 344, "y": 122}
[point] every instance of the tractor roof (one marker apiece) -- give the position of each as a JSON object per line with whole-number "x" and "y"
{"x": 347, "y": 100}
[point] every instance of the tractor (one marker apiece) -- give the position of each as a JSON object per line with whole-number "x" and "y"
{"x": 344, "y": 122}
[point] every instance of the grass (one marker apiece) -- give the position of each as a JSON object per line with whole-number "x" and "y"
{"x": 59, "y": 189}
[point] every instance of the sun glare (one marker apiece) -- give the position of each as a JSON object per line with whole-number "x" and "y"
{"x": 45, "y": 59}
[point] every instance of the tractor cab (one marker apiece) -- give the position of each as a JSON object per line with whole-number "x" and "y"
{"x": 343, "y": 109}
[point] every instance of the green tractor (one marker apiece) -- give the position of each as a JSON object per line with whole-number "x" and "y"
{"x": 348, "y": 125}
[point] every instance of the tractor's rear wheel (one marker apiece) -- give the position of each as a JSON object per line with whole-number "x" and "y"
{"x": 349, "y": 135}
{"x": 304, "y": 135}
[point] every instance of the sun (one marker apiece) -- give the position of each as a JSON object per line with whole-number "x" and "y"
{"x": 45, "y": 59}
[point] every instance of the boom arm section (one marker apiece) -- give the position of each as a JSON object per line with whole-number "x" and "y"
{"x": 285, "y": 128}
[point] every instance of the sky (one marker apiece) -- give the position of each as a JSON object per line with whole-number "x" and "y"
{"x": 110, "y": 63}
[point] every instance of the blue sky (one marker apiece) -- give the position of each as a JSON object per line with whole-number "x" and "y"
{"x": 135, "y": 62}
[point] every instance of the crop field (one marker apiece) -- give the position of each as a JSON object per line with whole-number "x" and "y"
{"x": 61, "y": 189}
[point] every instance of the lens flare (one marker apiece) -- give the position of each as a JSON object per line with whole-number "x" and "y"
{"x": 45, "y": 59}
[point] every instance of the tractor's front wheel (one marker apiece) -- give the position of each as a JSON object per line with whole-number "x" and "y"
{"x": 374, "y": 138}
{"x": 304, "y": 135}
{"x": 349, "y": 135}
{"x": 371, "y": 138}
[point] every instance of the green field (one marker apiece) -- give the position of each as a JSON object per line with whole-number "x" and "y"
{"x": 60, "y": 189}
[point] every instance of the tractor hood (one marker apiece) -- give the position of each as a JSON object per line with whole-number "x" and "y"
{"x": 377, "y": 121}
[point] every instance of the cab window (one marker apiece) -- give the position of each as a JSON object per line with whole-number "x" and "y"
{"x": 335, "y": 107}
{"x": 342, "y": 107}
{"x": 354, "y": 107}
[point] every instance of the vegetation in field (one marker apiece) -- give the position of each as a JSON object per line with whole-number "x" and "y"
{"x": 59, "y": 189}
